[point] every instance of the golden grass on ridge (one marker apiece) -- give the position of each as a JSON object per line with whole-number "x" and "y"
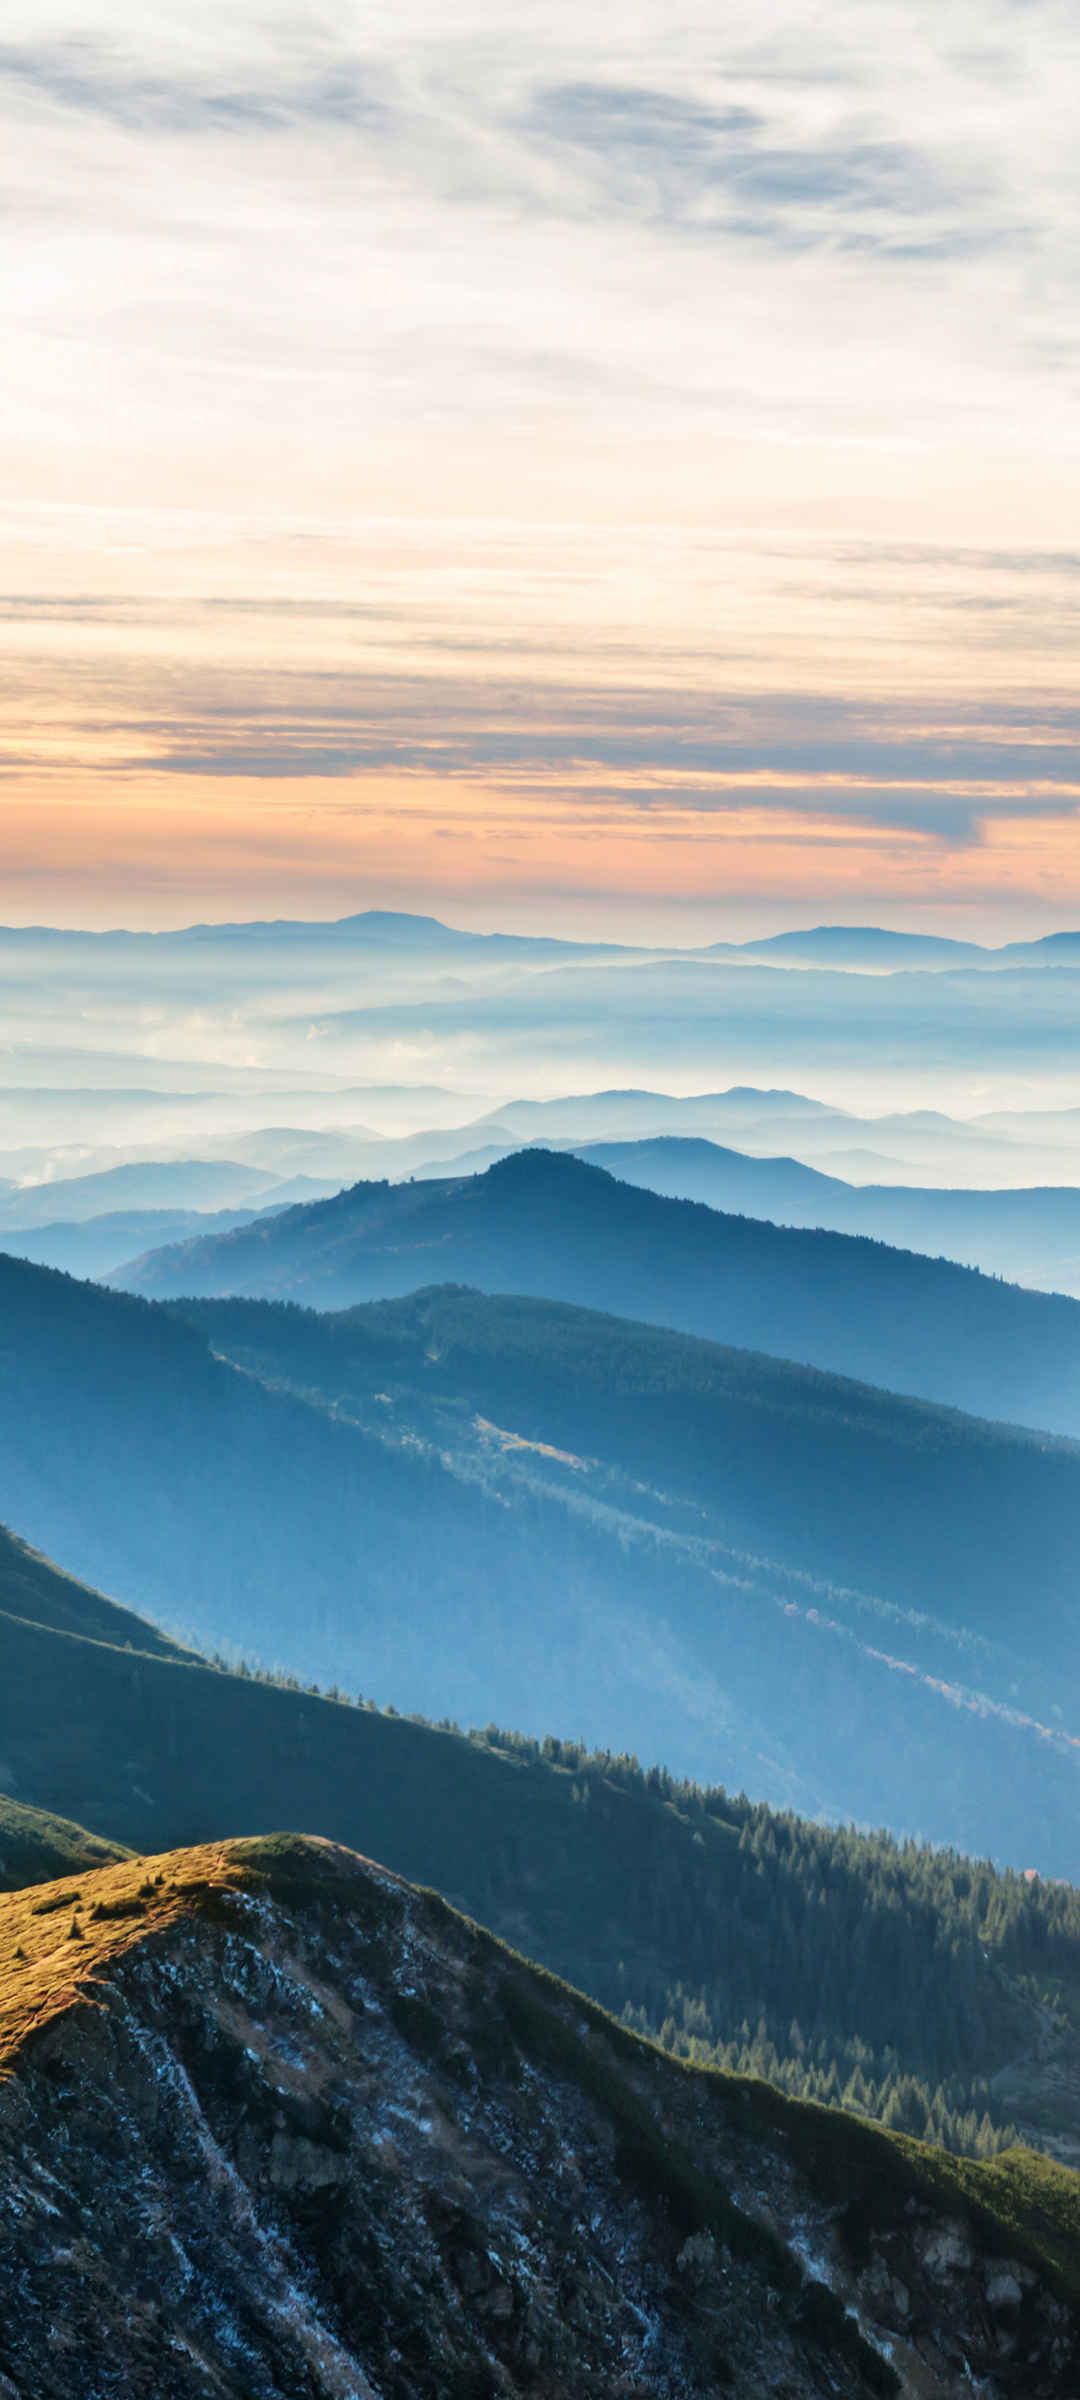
{"x": 46, "y": 1967}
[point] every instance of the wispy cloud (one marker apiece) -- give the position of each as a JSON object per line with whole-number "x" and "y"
{"x": 640, "y": 749}
{"x": 737, "y": 171}
{"x": 95, "y": 78}
{"x": 659, "y": 419}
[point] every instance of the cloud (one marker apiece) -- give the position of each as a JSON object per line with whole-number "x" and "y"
{"x": 652, "y": 419}
{"x": 92, "y": 78}
{"x": 454, "y": 121}
{"x": 644, "y": 751}
{"x": 689, "y": 168}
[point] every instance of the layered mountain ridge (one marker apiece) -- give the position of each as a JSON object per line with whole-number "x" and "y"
{"x": 860, "y": 946}
{"x": 710, "y": 1557}
{"x": 519, "y": 1510}
{"x": 546, "y": 1223}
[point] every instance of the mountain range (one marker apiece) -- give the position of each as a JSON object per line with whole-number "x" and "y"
{"x": 672, "y": 1467}
{"x": 913, "y": 1147}
{"x": 520, "y": 1509}
{"x": 1031, "y": 1235}
{"x": 860, "y": 946}
{"x": 97, "y": 1246}
{"x": 879, "y": 947}
{"x": 550, "y": 1224}
{"x": 188, "y": 1183}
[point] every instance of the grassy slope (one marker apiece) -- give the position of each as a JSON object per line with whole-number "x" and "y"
{"x": 56, "y": 1940}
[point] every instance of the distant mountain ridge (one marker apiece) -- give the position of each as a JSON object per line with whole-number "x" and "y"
{"x": 386, "y": 929}
{"x": 95, "y": 1246}
{"x": 881, "y": 946}
{"x": 546, "y": 1223}
{"x": 917, "y": 1146}
{"x": 1022, "y": 1233}
{"x": 573, "y": 1113}
{"x": 858, "y": 945}
{"x": 718, "y": 1443}
{"x": 849, "y": 945}
{"x": 166, "y": 1183}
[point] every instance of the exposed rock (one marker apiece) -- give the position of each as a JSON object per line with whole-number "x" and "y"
{"x": 296, "y": 2163}
{"x": 698, "y": 2258}
{"x": 320, "y": 2139}
{"x": 1004, "y": 2283}
{"x": 946, "y": 2250}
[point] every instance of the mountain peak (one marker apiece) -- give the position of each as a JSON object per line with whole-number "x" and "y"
{"x": 535, "y": 1168}
{"x": 849, "y": 944}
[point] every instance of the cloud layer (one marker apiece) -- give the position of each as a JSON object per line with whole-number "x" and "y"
{"x": 559, "y": 433}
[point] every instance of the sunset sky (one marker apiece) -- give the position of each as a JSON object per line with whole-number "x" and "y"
{"x": 549, "y": 466}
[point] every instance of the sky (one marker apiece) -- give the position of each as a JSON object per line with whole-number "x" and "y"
{"x": 566, "y": 467}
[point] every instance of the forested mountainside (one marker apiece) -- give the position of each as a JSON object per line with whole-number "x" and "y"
{"x": 464, "y": 1549}
{"x": 871, "y": 1549}
{"x": 910, "y": 1501}
{"x": 548, "y": 1224}
{"x": 427, "y": 2168}
{"x": 1025, "y": 1234}
{"x": 248, "y": 1519}
{"x": 903, "y": 1981}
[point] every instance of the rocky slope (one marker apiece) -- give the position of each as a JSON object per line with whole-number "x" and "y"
{"x": 274, "y": 2123}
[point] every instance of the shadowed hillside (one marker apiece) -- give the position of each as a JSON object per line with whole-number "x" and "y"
{"x": 1030, "y": 1235}
{"x": 524, "y": 1511}
{"x": 35, "y": 1847}
{"x": 548, "y": 1224}
{"x": 845, "y": 1966}
{"x": 918, "y": 1505}
{"x": 245, "y": 1518}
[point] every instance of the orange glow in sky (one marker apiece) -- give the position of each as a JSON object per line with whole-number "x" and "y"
{"x": 564, "y": 469}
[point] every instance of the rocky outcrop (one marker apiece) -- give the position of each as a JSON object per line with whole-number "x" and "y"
{"x": 275, "y": 2124}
